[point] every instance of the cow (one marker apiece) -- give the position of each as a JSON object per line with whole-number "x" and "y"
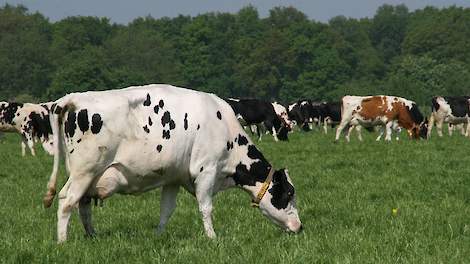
{"x": 281, "y": 112}
{"x": 369, "y": 111}
{"x": 139, "y": 138}
{"x": 453, "y": 110}
{"x": 31, "y": 121}
{"x": 301, "y": 113}
{"x": 330, "y": 114}
{"x": 256, "y": 112}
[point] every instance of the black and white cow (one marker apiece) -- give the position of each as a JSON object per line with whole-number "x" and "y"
{"x": 136, "y": 139}
{"x": 300, "y": 113}
{"x": 258, "y": 112}
{"x": 450, "y": 109}
{"x": 330, "y": 114}
{"x": 31, "y": 121}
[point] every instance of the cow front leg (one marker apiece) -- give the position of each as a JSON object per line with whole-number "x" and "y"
{"x": 388, "y": 131}
{"x": 204, "y": 198}
{"x": 274, "y": 134}
{"x": 31, "y": 146}
{"x": 84, "y": 209}
{"x": 439, "y": 124}
{"x": 348, "y": 134}
{"x": 23, "y": 148}
{"x": 167, "y": 205}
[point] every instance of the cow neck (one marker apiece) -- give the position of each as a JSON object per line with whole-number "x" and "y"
{"x": 251, "y": 178}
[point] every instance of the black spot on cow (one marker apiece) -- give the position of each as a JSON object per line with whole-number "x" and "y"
{"x": 198, "y": 126}
{"x": 58, "y": 110}
{"x": 82, "y": 120}
{"x": 70, "y": 124}
{"x": 150, "y": 121}
{"x": 40, "y": 125}
{"x": 254, "y": 153}
{"x": 159, "y": 148}
{"x": 201, "y": 169}
{"x": 166, "y": 134}
{"x": 17, "y": 114}
{"x": 185, "y": 125}
{"x": 96, "y": 123}
{"x": 9, "y": 112}
{"x": 72, "y": 151}
{"x": 229, "y": 145}
{"x": 147, "y": 101}
{"x": 258, "y": 171}
{"x": 155, "y": 109}
{"x": 242, "y": 140}
{"x": 166, "y": 118}
{"x": 146, "y": 129}
{"x": 79, "y": 140}
{"x": 219, "y": 115}
{"x": 172, "y": 124}
{"x": 282, "y": 191}
{"x": 161, "y": 103}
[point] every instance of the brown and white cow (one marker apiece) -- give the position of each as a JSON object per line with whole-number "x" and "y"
{"x": 31, "y": 121}
{"x": 381, "y": 110}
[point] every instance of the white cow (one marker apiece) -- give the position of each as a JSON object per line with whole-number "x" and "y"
{"x": 31, "y": 121}
{"x": 136, "y": 139}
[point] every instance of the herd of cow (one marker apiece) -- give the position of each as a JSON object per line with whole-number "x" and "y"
{"x": 139, "y": 138}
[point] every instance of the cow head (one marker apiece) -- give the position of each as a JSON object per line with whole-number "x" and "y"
{"x": 420, "y": 127}
{"x": 278, "y": 203}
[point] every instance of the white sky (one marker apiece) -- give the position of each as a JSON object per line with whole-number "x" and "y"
{"x": 122, "y": 11}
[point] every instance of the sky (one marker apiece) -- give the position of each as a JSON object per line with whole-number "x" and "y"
{"x": 124, "y": 11}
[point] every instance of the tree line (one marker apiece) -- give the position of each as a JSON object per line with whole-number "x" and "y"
{"x": 285, "y": 56}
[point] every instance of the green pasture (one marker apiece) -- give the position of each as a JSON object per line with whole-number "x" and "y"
{"x": 345, "y": 195}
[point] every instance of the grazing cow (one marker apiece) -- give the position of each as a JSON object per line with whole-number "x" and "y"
{"x": 31, "y": 121}
{"x": 300, "y": 113}
{"x": 382, "y": 110}
{"x": 453, "y": 110}
{"x": 256, "y": 112}
{"x": 136, "y": 139}
{"x": 281, "y": 112}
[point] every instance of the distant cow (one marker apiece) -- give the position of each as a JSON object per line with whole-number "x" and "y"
{"x": 453, "y": 110}
{"x": 258, "y": 112}
{"x": 301, "y": 113}
{"x": 136, "y": 139}
{"x": 330, "y": 113}
{"x": 31, "y": 121}
{"x": 369, "y": 111}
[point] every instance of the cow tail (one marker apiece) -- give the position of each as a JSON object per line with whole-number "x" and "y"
{"x": 54, "y": 118}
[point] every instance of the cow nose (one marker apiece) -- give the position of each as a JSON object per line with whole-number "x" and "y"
{"x": 301, "y": 228}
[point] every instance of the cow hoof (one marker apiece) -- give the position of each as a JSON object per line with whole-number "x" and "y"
{"x": 48, "y": 198}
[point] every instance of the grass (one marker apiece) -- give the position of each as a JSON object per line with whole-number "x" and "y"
{"x": 346, "y": 193}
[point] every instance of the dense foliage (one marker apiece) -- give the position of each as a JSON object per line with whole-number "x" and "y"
{"x": 285, "y": 56}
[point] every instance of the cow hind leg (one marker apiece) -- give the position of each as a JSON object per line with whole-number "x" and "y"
{"x": 76, "y": 187}
{"x": 167, "y": 205}
{"x": 84, "y": 209}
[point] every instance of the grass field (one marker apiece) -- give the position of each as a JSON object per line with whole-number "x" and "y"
{"x": 345, "y": 195}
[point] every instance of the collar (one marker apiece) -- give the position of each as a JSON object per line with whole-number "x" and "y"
{"x": 255, "y": 202}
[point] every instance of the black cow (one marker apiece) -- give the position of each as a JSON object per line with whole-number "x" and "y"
{"x": 256, "y": 112}
{"x": 330, "y": 114}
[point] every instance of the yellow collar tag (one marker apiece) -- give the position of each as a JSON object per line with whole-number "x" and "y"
{"x": 263, "y": 189}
